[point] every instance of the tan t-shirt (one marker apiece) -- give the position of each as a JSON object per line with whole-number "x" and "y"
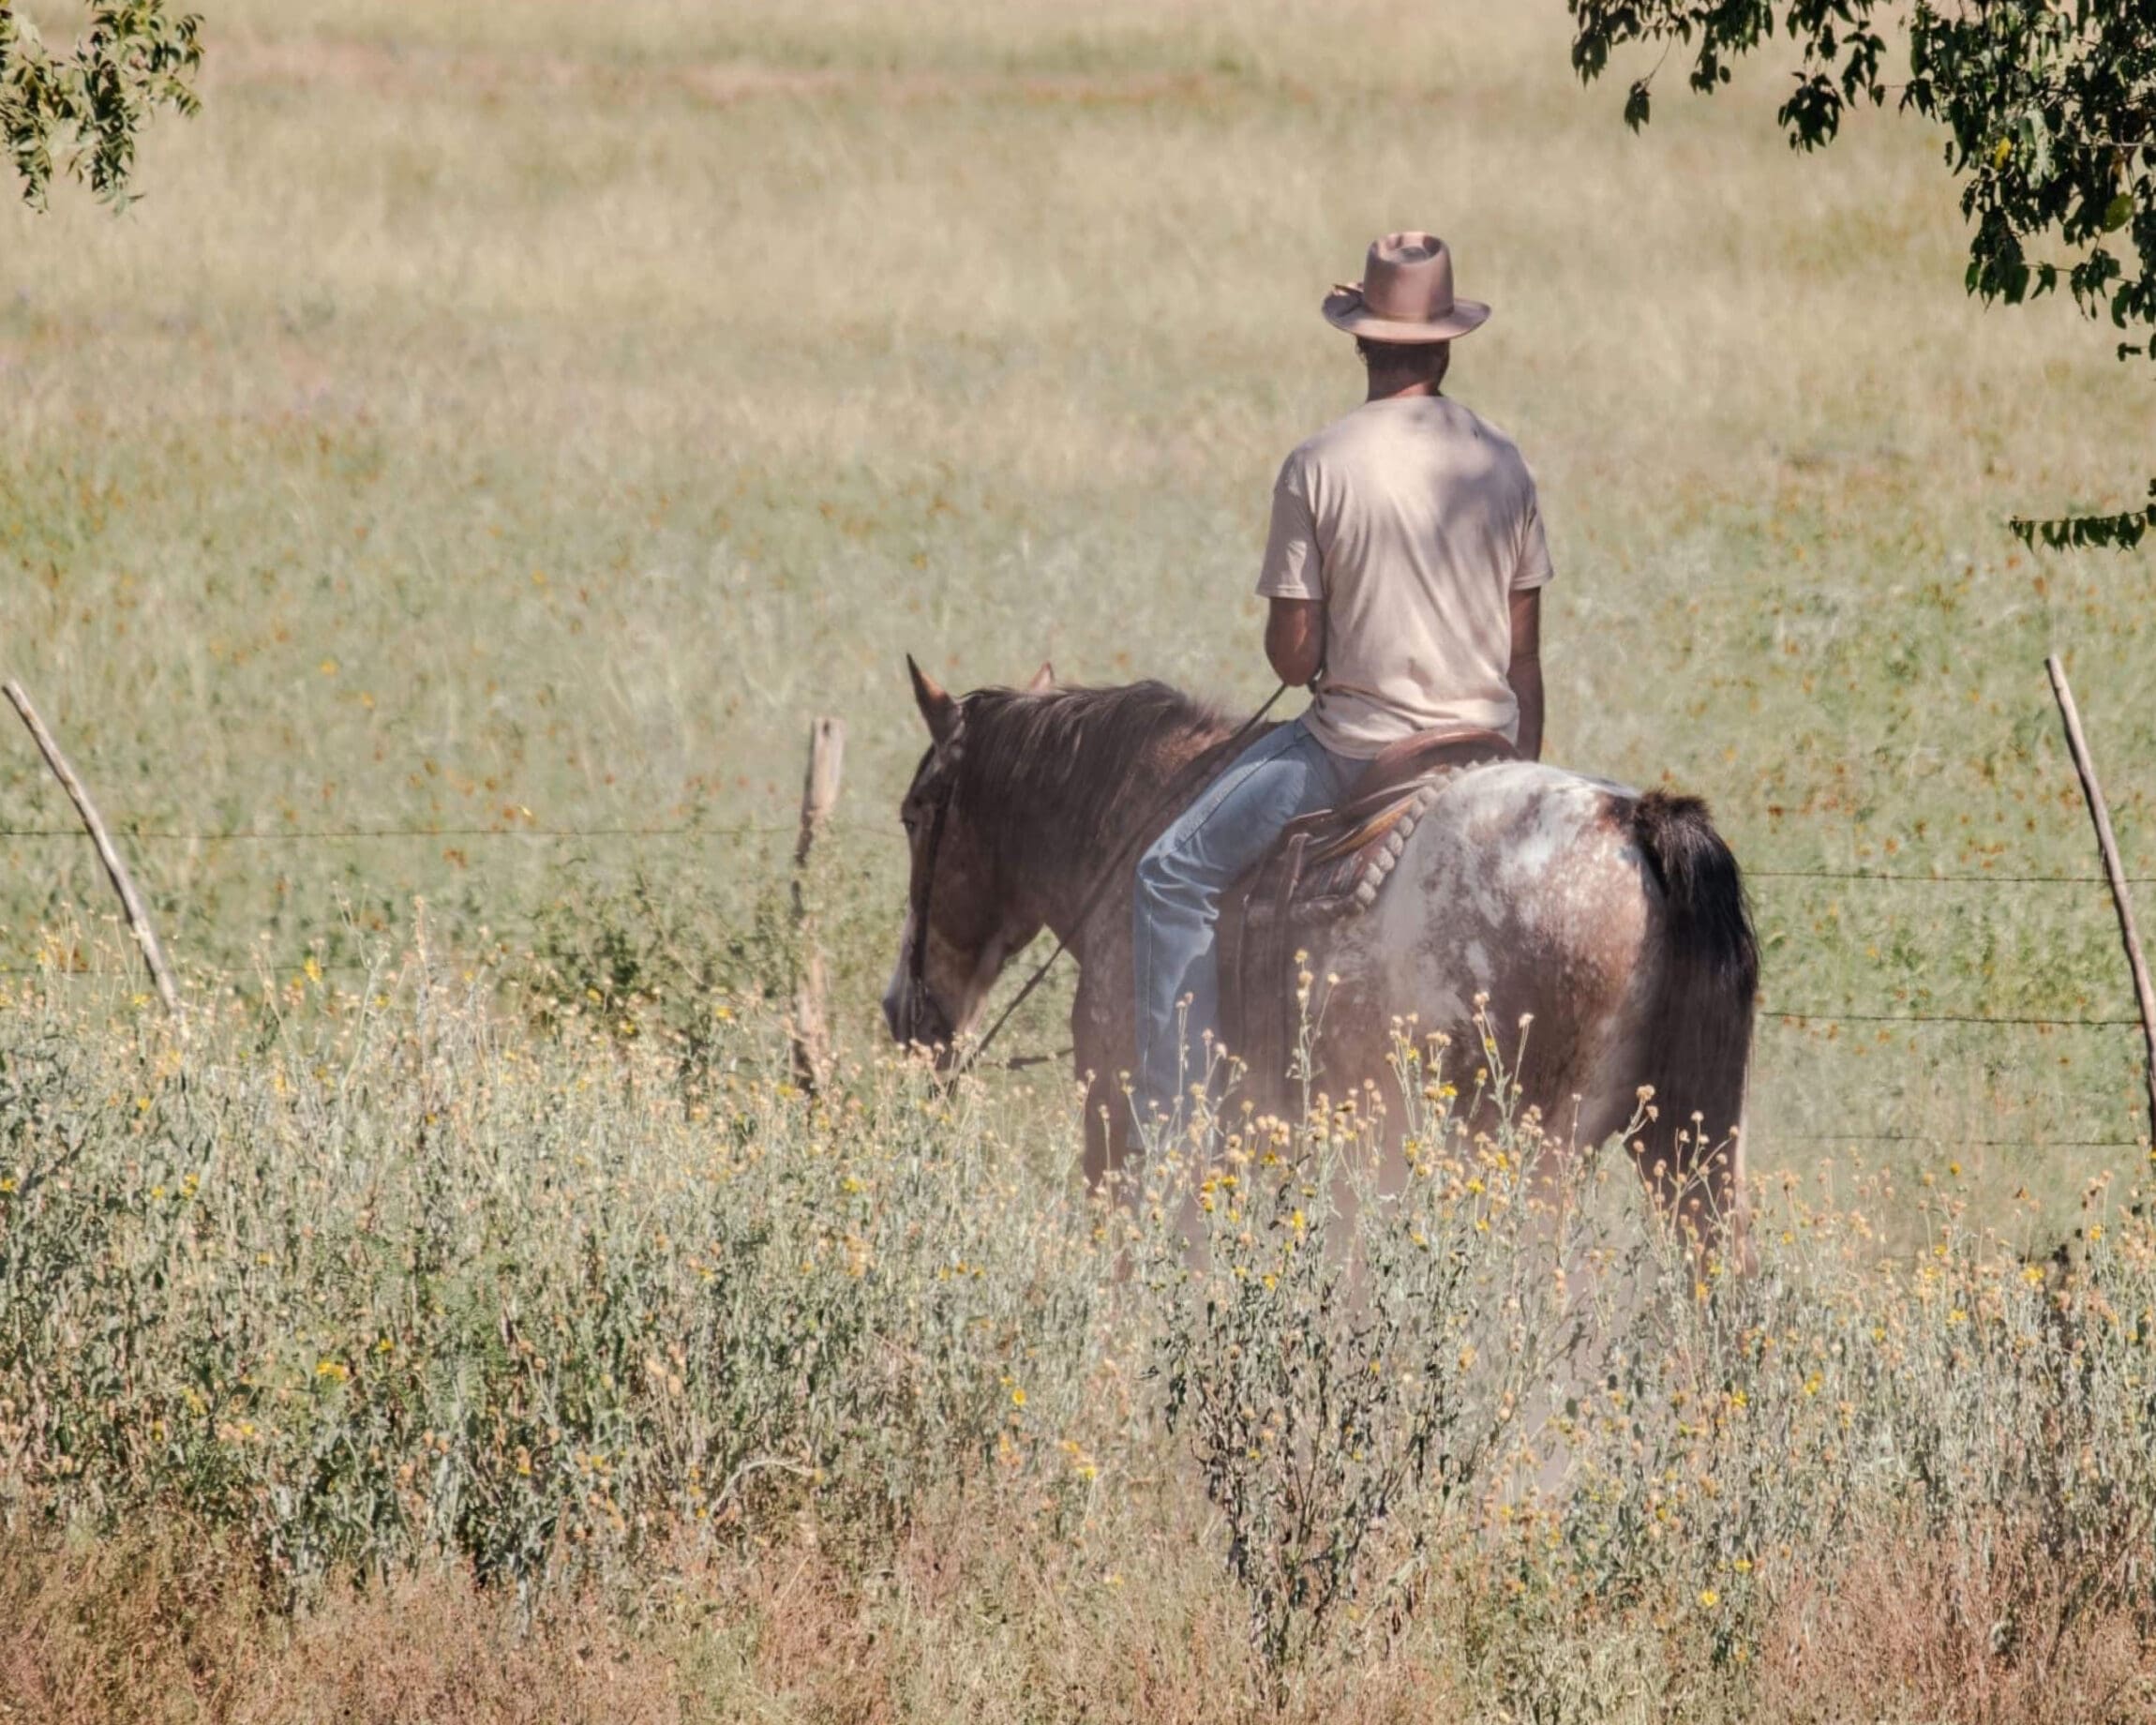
{"x": 1416, "y": 523}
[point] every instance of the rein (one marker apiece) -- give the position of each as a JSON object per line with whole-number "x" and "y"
{"x": 1109, "y": 873}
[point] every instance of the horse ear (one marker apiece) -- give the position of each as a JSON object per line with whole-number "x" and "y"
{"x": 937, "y": 707}
{"x": 1043, "y": 680}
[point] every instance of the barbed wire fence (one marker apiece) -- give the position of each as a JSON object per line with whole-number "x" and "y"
{"x": 620, "y": 832}
{"x": 531, "y": 832}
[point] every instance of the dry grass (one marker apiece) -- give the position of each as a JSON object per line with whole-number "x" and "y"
{"x": 168, "y": 1624}
{"x": 1989, "y": 1632}
{"x": 161, "y": 1627}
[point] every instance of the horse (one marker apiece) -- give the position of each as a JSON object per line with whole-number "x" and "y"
{"x": 1618, "y": 920}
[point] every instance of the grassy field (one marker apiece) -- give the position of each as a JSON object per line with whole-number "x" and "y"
{"x": 497, "y": 417}
{"x": 499, "y": 428}
{"x": 527, "y": 416}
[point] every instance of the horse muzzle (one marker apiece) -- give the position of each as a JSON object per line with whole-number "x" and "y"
{"x": 916, "y": 1020}
{"x": 912, "y": 1014}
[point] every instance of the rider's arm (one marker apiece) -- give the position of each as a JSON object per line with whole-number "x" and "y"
{"x": 1295, "y": 639}
{"x": 1525, "y": 672}
{"x": 1292, "y": 582}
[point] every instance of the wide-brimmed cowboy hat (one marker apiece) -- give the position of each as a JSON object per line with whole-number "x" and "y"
{"x": 1405, "y": 294}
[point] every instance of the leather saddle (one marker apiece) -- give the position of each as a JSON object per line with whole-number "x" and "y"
{"x": 1324, "y": 868}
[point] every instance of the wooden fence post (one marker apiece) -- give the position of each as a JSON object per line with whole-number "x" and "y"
{"x": 2115, "y": 871}
{"x": 819, "y": 795}
{"x": 116, "y": 870}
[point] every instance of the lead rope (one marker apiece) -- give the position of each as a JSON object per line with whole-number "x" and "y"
{"x": 1106, "y": 879}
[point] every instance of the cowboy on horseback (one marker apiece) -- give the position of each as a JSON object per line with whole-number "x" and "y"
{"x": 1404, "y": 571}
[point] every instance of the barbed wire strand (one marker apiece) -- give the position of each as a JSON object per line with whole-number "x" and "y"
{"x": 1942, "y": 880}
{"x": 783, "y": 829}
{"x": 1977, "y": 1144}
{"x": 337, "y": 835}
{"x": 1770, "y": 1015}
{"x": 1951, "y": 1018}
{"x": 351, "y": 967}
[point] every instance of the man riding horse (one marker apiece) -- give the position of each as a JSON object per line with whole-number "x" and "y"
{"x": 1404, "y": 569}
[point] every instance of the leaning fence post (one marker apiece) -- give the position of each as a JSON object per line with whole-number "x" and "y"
{"x": 819, "y": 795}
{"x": 2114, "y": 872}
{"x": 138, "y": 918}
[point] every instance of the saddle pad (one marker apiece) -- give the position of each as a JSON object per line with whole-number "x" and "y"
{"x": 1324, "y": 867}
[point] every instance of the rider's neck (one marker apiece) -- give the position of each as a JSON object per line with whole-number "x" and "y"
{"x": 1395, "y": 388}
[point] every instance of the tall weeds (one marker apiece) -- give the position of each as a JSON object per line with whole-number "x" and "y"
{"x": 389, "y": 1280}
{"x": 406, "y": 1282}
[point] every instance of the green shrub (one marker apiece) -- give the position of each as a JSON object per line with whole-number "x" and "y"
{"x": 412, "y": 1282}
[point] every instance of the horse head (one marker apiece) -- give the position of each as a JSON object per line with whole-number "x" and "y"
{"x": 960, "y": 926}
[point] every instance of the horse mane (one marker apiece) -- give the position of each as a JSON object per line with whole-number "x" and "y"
{"x": 1078, "y": 752}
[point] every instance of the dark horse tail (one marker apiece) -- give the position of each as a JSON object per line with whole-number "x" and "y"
{"x": 1699, "y": 1041}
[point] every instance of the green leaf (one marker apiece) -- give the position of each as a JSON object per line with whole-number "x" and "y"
{"x": 2121, "y": 532}
{"x": 2118, "y": 212}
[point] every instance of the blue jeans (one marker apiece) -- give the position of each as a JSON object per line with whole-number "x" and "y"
{"x": 1285, "y": 774}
